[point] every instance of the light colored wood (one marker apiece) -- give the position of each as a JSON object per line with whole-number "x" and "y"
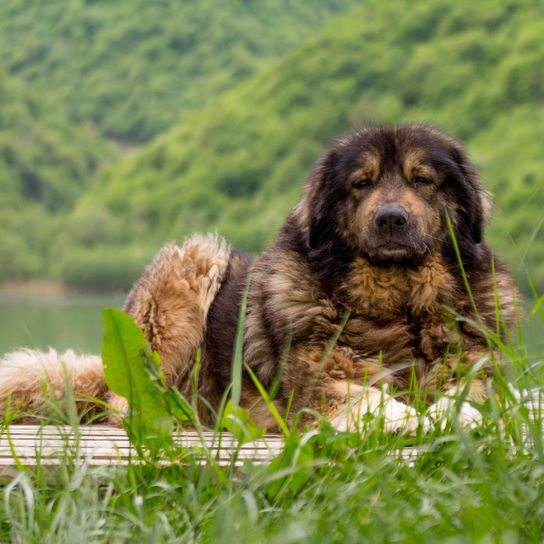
{"x": 99, "y": 445}
{"x": 102, "y": 445}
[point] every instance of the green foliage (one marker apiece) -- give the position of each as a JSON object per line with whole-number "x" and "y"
{"x": 236, "y": 421}
{"x": 239, "y": 164}
{"x": 295, "y": 464}
{"x": 244, "y": 129}
{"x": 102, "y": 268}
{"x": 322, "y": 486}
{"x": 84, "y": 83}
{"x": 43, "y": 157}
{"x": 45, "y": 164}
{"x": 132, "y": 371}
{"x": 18, "y": 263}
{"x": 234, "y": 418}
{"x": 133, "y": 68}
{"x": 451, "y": 484}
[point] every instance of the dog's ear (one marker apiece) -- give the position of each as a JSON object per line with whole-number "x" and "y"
{"x": 314, "y": 208}
{"x": 473, "y": 201}
{"x": 469, "y": 209}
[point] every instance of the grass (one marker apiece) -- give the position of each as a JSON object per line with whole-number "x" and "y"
{"x": 326, "y": 488}
{"x": 482, "y": 485}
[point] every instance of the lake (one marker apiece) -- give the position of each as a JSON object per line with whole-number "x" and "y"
{"x": 74, "y": 321}
{"x": 60, "y": 321}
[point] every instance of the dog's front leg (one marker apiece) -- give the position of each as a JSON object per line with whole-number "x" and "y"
{"x": 444, "y": 379}
{"x": 344, "y": 390}
{"x": 359, "y": 401}
{"x": 468, "y": 416}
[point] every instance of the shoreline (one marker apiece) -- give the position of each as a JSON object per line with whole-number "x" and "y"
{"x": 49, "y": 289}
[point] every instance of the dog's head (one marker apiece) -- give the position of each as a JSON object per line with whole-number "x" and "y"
{"x": 386, "y": 193}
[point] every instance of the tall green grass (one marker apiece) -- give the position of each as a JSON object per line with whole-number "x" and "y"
{"x": 458, "y": 485}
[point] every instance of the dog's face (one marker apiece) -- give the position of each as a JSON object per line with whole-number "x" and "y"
{"x": 386, "y": 193}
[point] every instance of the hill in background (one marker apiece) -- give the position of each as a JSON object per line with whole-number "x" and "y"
{"x": 45, "y": 164}
{"x": 84, "y": 83}
{"x": 238, "y": 163}
{"x": 133, "y": 67}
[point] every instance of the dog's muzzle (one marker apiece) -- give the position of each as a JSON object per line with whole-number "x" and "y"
{"x": 393, "y": 237}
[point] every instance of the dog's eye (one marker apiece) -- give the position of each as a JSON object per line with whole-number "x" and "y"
{"x": 361, "y": 183}
{"x": 420, "y": 180}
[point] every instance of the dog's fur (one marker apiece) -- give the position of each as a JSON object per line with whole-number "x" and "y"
{"x": 365, "y": 257}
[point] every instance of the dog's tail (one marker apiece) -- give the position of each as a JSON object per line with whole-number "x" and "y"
{"x": 170, "y": 303}
{"x": 30, "y": 379}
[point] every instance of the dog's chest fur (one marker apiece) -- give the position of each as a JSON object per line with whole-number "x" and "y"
{"x": 396, "y": 315}
{"x": 402, "y": 313}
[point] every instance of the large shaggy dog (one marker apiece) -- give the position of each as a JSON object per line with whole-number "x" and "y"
{"x": 363, "y": 287}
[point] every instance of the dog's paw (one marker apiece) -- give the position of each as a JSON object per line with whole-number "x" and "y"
{"x": 397, "y": 416}
{"x": 443, "y": 411}
{"x": 119, "y": 408}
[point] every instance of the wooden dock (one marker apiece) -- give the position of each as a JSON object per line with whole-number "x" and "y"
{"x": 27, "y": 446}
{"x": 101, "y": 445}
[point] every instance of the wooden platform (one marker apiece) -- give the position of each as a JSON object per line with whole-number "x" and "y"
{"x": 101, "y": 445}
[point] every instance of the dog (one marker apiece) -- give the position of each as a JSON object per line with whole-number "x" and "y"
{"x": 378, "y": 283}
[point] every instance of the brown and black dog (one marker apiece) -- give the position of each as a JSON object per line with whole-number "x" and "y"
{"x": 362, "y": 287}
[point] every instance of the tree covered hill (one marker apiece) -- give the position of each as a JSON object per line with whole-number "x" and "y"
{"x": 135, "y": 67}
{"x": 83, "y": 82}
{"x": 45, "y": 164}
{"x": 474, "y": 69}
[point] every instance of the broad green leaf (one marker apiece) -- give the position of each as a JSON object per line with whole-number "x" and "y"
{"x": 132, "y": 371}
{"x": 179, "y": 408}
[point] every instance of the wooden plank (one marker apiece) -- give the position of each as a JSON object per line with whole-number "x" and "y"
{"x": 104, "y": 432}
{"x": 102, "y": 445}
{"x": 184, "y": 442}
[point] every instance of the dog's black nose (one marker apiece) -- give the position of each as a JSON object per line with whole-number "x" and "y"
{"x": 391, "y": 218}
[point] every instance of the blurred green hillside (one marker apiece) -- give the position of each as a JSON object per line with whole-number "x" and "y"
{"x": 134, "y": 67}
{"x": 45, "y": 164}
{"x": 237, "y": 164}
{"x": 475, "y": 69}
{"x": 84, "y": 83}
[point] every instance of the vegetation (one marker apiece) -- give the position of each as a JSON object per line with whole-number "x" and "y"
{"x": 133, "y": 68}
{"x": 459, "y": 485}
{"x": 238, "y": 165}
{"x": 239, "y": 141}
{"x": 85, "y": 83}
{"x": 242, "y": 140}
{"x": 45, "y": 164}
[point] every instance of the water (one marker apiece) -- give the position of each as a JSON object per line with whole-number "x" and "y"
{"x": 533, "y": 334}
{"x": 74, "y": 321}
{"x": 58, "y": 321}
